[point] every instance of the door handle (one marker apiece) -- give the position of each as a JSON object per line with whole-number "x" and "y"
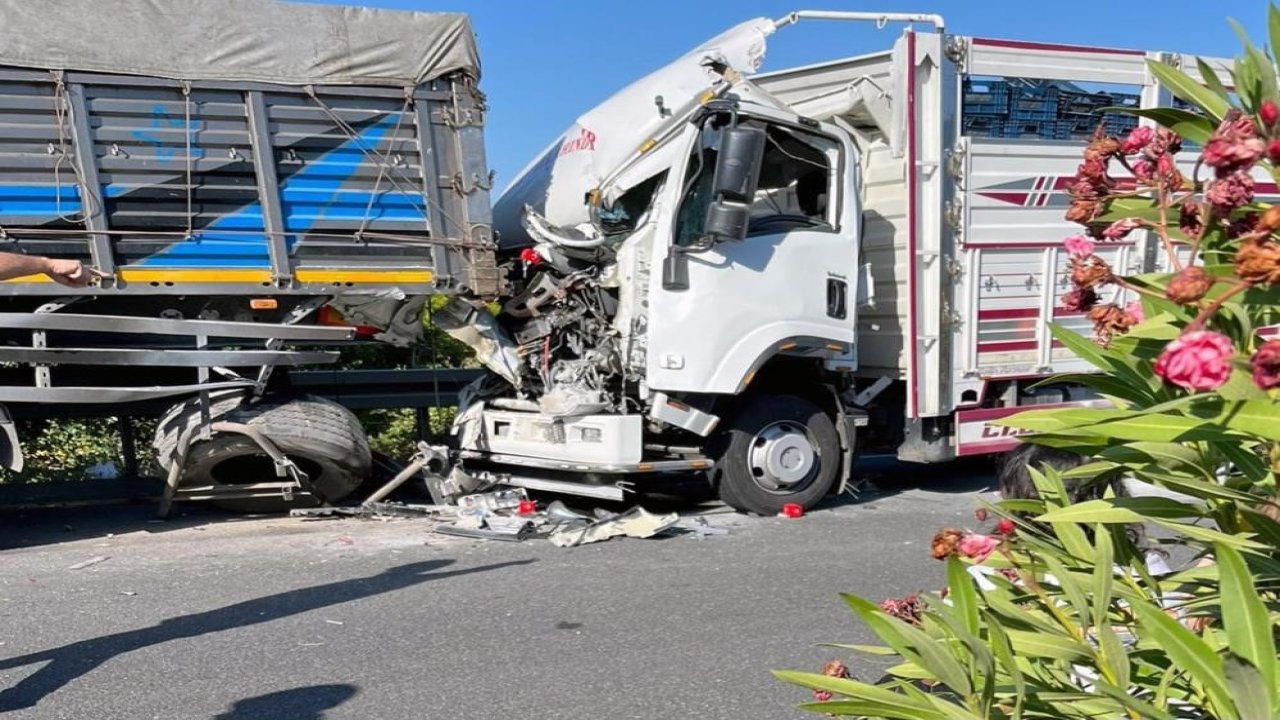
{"x": 837, "y": 299}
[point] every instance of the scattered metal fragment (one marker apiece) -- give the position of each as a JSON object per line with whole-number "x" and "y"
{"x": 636, "y": 522}
{"x": 89, "y": 562}
{"x": 453, "y": 529}
{"x": 702, "y": 529}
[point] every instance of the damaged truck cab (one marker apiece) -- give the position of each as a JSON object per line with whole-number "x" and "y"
{"x": 693, "y": 312}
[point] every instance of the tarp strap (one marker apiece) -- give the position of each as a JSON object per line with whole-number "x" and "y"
{"x": 186, "y": 97}
{"x": 383, "y": 165}
{"x": 364, "y": 148}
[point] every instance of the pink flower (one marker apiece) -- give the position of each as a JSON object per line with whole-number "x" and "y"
{"x": 1273, "y": 152}
{"x": 1234, "y": 146}
{"x": 821, "y": 695}
{"x": 1230, "y": 192}
{"x": 1268, "y": 113}
{"x": 1138, "y": 139}
{"x": 1266, "y": 365}
{"x": 978, "y": 547}
{"x": 1143, "y": 170}
{"x": 1134, "y": 308}
{"x": 1198, "y": 360}
{"x": 1005, "y": 526}
{"x": 1120, "y": 228}
{"x": 1079, "y": 246}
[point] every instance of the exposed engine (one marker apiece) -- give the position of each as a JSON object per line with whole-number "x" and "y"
{"x": 554, "y": 340}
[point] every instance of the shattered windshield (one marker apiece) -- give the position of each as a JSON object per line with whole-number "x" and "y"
{"x": 624, "y": 216}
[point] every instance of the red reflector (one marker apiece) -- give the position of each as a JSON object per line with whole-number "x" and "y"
{"x": 793, "y": 510}
{"x": 527, "y": 507}
{"x": 531, "y": 256}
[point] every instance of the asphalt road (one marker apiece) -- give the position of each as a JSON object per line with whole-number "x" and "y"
{"x": 208, "y": 616}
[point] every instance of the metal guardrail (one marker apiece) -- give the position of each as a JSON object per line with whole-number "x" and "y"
{"x": 356, "y": 389}
{"x": 367, "y": 389}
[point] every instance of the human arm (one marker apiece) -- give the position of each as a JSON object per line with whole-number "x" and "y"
{"x": 71, "y": 273}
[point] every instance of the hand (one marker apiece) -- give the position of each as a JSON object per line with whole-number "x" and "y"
{"x": 71, "y": 273}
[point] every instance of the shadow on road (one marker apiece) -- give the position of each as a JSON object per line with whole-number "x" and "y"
{"x": 66, "y": 663}
{"x": 52, "y": 525}
{"x": 304, "y": 703}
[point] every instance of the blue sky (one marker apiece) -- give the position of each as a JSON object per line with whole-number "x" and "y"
{"x": 546, "y": 62}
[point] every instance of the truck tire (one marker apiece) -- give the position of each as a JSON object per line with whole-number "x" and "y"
{"x": 776, "y": 449}
{"x": 322, "y": 437}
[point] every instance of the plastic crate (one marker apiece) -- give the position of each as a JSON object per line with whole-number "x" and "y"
{"x": 1034, "y": 104}
{"x": 983, "y": 125}
{"x": 985, "y": 97}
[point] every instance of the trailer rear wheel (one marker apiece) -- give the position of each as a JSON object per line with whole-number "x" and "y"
{"x": 323, "y": 438}
{"x": 777, "y": 449}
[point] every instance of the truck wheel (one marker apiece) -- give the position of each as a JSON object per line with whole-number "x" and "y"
{"x": 777, "y": 449}
{"x": 322, "y": 437}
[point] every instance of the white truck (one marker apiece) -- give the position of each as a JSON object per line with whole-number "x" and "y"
{"x": 750, "y": 277}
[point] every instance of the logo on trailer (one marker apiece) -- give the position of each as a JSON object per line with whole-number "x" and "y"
{"x": 586, "y": 140}
{"x": 1051, "y": 191}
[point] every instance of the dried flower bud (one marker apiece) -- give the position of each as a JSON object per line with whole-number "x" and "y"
{"x": 1265, "y": 364}
{"x": 1189, "y": 285}
{"x": 1090, "y": 272}
{"x": 1111, "y": 320}
{"x": 1273, "y": 152}
{"x": 1134, "y": 308}
{"x": 835, "y": 669}
{"x": 1258, "y": 263}
{"x": 1083, "y": 211}
{"x": 945, "y": 542}
{"x": 1080, "y": 300}
{"x": 1269, "y": 220}
{"x": 1189, "y": 220}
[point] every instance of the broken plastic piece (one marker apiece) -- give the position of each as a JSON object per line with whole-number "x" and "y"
{"x": 635, "y": 522}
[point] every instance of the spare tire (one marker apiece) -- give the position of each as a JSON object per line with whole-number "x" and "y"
{"x": 322, "y": 437}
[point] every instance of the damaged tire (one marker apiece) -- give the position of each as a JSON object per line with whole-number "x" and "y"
{"x": 323, "y": 438}
{"x": 777, "y": 449}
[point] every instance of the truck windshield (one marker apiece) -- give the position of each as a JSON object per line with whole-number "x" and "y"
{"x": 796, "y": 186}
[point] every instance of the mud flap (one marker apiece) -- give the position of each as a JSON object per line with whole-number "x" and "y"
{"x": 10, "y": 448}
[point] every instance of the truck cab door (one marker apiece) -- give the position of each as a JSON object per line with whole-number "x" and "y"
{"x": 788, "y": 287}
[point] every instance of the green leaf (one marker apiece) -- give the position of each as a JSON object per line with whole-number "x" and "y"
{"x": 1122, "y": 510}
{"x": 1207, "y": 535}
{"x": 1004, "y": 653}
{"x": 1193, "y": 127}
{"x": 1254, "y": 697}
{"x": 1245, "y": 618}
{"x": 1103, "y": 575}
{"x": 867, "y": 708}
{"x": 1189, "y": 653}
{"x": 1259, "y": 418}
{"x": 905, "y": 706}
{"x": 1070, "y": 587}
{"x": 1189, "y": 90}
{"x": 879, "y": 650}
{"x": 1273, "y": 33}
{"x": 1211, "y": 79}
{"x": 963, "y": 595}
{"x": 912, "y": 644}
{"x": 1114, "y": 655}
{"x": 1261, "y": 70}
{"x": 1046, "y": 645}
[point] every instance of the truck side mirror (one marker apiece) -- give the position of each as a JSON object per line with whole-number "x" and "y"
{"x": 734, "y": 186}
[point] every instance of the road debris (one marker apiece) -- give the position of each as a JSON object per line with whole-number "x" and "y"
{"x": 636, "y": 522}
{"x": 701, "y": 529}
{"x": 376, "y": 511}
{"x": 91, "y": 561}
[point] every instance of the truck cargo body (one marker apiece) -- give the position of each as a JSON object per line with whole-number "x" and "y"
{"x": 894, "y": 273}
{"x": 240, "y": 175}
{"x": 233, "y": 161}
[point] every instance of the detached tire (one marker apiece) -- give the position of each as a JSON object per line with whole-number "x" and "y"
{"x": 777, "y": 449}
{"x": 323, "y": 438}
